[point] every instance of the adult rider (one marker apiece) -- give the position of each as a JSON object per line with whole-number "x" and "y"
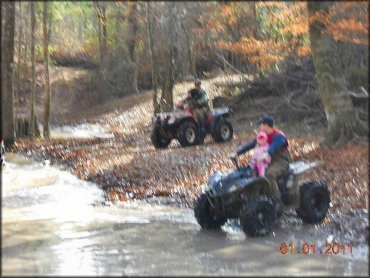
{"x": 199, "y": 103}
{"x": 280, "y": 156}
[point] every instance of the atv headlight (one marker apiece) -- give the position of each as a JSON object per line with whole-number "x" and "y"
{"x": 234, "y": 187}
{"x": 171, "y": 120}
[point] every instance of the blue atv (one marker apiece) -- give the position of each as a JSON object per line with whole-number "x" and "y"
{"x": 243, "y": 194}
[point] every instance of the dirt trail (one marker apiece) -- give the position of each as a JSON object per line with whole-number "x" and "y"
{"x": 67, "y": 85}
{"x": 213, "y": 86}
{"x": 72, "y": 89}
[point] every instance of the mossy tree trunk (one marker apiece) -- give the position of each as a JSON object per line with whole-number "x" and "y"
{"x": 343, "y": 122}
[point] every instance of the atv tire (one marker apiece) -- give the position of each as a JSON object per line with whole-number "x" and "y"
{"x": 202, "y": 135}
{"x": 222, "y": 131}
{"x": 158, "y": 141}
{"x": 188, "y": 134}
{"x": 202, "y": 212}
{"x": 257, "y": 216}
{"x": 314, "y": 203}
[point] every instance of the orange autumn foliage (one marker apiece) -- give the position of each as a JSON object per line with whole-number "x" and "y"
{"x": 346, "y": 21}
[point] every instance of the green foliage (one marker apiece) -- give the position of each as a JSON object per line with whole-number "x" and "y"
{"x": 51, "y": 50}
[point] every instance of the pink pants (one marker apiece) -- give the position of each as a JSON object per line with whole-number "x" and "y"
{"x": 261, "y": 167}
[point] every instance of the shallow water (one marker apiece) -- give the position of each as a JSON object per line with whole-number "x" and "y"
{"x": 54, "y": 224}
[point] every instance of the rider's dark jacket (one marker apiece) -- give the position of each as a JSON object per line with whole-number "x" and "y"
{"x": 202, "y": 99}
{"x": 199, "y": 99}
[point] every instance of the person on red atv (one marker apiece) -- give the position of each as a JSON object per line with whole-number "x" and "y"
{"x": 199, "y": 102}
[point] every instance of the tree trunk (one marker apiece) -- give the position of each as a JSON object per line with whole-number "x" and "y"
{"x": 118, "y": 27}
{"x": 49, "y": 31}
{"x": 7, "y": 53}
{"x": 104, "y": 19}
{"x": 24, "y": 57}
{"x": 257, "y": 35}
{"x": 101, "y": 52}
{"x": 32, "y": 106}
{"x": 23, "y": 127}
{"x": 168, "y": 81}
{"x": 168, "y": 78}
{"x": 46, "y": 132}
{"x": 3, "y": 14}
{"x": 190, "y": 52}
{"x": 17, "y": 91}
{"x": 133, "y": 28}
{"x": 150, "y": 31}
{"x": 343, "y": 123}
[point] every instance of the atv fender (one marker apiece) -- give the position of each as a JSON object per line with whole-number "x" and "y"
{"x": 250, "y": 183}
{"x": 254, "y": 184}
{"x": 186, "y": 118}
{"x": 223, "y": 113}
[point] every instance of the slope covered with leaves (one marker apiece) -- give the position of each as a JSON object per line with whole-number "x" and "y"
{"x": 128, "y": 167}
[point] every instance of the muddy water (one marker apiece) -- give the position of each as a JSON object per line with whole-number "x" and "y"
{"x": 54, "y": 224}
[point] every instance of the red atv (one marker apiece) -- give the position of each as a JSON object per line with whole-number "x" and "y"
{"x": 180, "y": 124}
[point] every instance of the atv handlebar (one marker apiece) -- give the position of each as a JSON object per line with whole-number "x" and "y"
{"x": 235, "y": 161}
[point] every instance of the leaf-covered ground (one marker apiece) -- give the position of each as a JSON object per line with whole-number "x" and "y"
{"x": 128, "y": 167}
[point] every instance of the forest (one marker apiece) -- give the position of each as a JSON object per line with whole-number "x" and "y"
{"x": 127, "y": 47}
{"x": 92, "y": 101}
{"x": 118, "y": 63}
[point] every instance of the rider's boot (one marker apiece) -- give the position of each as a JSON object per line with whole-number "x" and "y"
{"x": 202, "y": 129}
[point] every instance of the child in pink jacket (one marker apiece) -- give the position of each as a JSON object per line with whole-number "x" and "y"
{"x": 261, "y": 159}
